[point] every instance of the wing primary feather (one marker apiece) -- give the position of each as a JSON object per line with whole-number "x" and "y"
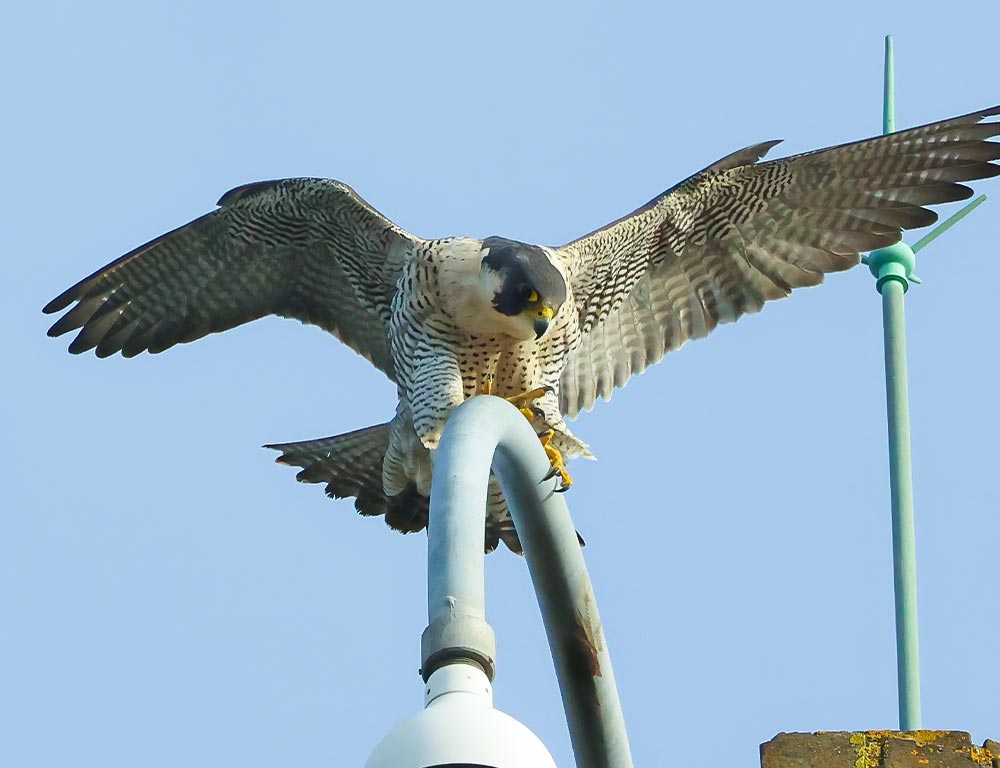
{"x": 310, "y": 249}
{"x": 740, "y": 233}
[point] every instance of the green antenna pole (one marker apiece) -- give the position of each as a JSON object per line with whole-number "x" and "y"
{"x": 892, "y": 266}
{"x": 889, "y": 90}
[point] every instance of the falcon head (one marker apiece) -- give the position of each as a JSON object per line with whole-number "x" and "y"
{"x": 527, "y": 288}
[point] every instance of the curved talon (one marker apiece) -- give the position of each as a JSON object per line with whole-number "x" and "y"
{"x": 550, "y": 474}
{"x": 523, "y": 403}
{"x": 563, "y": 476}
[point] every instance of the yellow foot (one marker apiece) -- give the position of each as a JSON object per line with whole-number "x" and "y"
{"x": 487, "y": 388}
{"x": 537, "y": 419}
{"x": 556, "y": 460}
{"x": 526, "y": 397}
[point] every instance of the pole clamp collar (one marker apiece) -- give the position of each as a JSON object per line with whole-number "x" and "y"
{"x": 895, "y": 262}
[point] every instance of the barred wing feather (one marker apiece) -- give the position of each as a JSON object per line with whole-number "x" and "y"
{"x": 309, "y": 249}
{"x": 740, "y": 233}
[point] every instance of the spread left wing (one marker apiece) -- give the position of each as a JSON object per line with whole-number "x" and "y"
{"x": 739, "y": 233}
{"x": 309, "y": 249}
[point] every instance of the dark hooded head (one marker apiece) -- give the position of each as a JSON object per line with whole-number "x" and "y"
{"x": 528, "y": 285}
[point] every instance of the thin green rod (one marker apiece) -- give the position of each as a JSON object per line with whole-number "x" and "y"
{"x": 948, "y": 223}
{"x": 889, "y": 91}
{"x": 900, "y": 469}
{"x": 904, "y": 558}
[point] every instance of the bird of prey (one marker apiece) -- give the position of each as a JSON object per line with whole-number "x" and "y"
{"x": 552, "y": 328}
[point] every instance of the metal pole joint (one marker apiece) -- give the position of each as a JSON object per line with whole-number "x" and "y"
{"x": 458, "y": 638}
{"x": 895, "y": 262}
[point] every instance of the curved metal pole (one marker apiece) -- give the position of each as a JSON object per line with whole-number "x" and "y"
{"x": 487, "y": 431}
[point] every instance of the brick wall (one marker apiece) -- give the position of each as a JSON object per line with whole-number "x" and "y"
{"x": 878, "y": 749}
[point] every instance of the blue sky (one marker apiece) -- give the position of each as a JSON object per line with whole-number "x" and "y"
{"x": 172, "y": 597}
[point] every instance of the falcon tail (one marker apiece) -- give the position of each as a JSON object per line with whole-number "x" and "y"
{"x": 351, "y": 466}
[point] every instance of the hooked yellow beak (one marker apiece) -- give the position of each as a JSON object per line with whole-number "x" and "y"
{"x": 542, "y": 317}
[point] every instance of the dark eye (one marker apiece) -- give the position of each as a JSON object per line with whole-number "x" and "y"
{"x": 527, "y": 293}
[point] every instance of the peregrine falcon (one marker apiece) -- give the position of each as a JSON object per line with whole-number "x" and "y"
{"x": 551, "y": 328}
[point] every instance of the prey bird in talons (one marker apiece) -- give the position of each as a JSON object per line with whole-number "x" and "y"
{"x": 448, "y": 319}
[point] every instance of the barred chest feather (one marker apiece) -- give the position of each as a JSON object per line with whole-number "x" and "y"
{"x": 450, "y": 295}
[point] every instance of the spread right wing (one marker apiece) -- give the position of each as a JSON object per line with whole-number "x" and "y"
{"x": 741, "y": 233}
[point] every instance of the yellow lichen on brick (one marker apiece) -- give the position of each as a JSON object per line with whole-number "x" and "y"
{"x": 925, "y": 736}
{"x": 869, "y": 751}
{"x": 983, "y": 756}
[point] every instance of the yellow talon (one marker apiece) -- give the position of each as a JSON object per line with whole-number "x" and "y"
{"x": 534, "y": 415}
{"x": 556, "y": 460}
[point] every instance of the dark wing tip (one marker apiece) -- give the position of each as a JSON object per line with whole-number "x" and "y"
{"x": 285, "y": 457}
{"x": 81, "y": 344}
{"x": 60, "y": 303}
{"x": 54, "y": 329}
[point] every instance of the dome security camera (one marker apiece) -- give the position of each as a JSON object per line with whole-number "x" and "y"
{"x": 459, "y": 728}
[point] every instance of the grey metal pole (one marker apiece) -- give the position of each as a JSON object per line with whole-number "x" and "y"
{"x": 487, "y": 431}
